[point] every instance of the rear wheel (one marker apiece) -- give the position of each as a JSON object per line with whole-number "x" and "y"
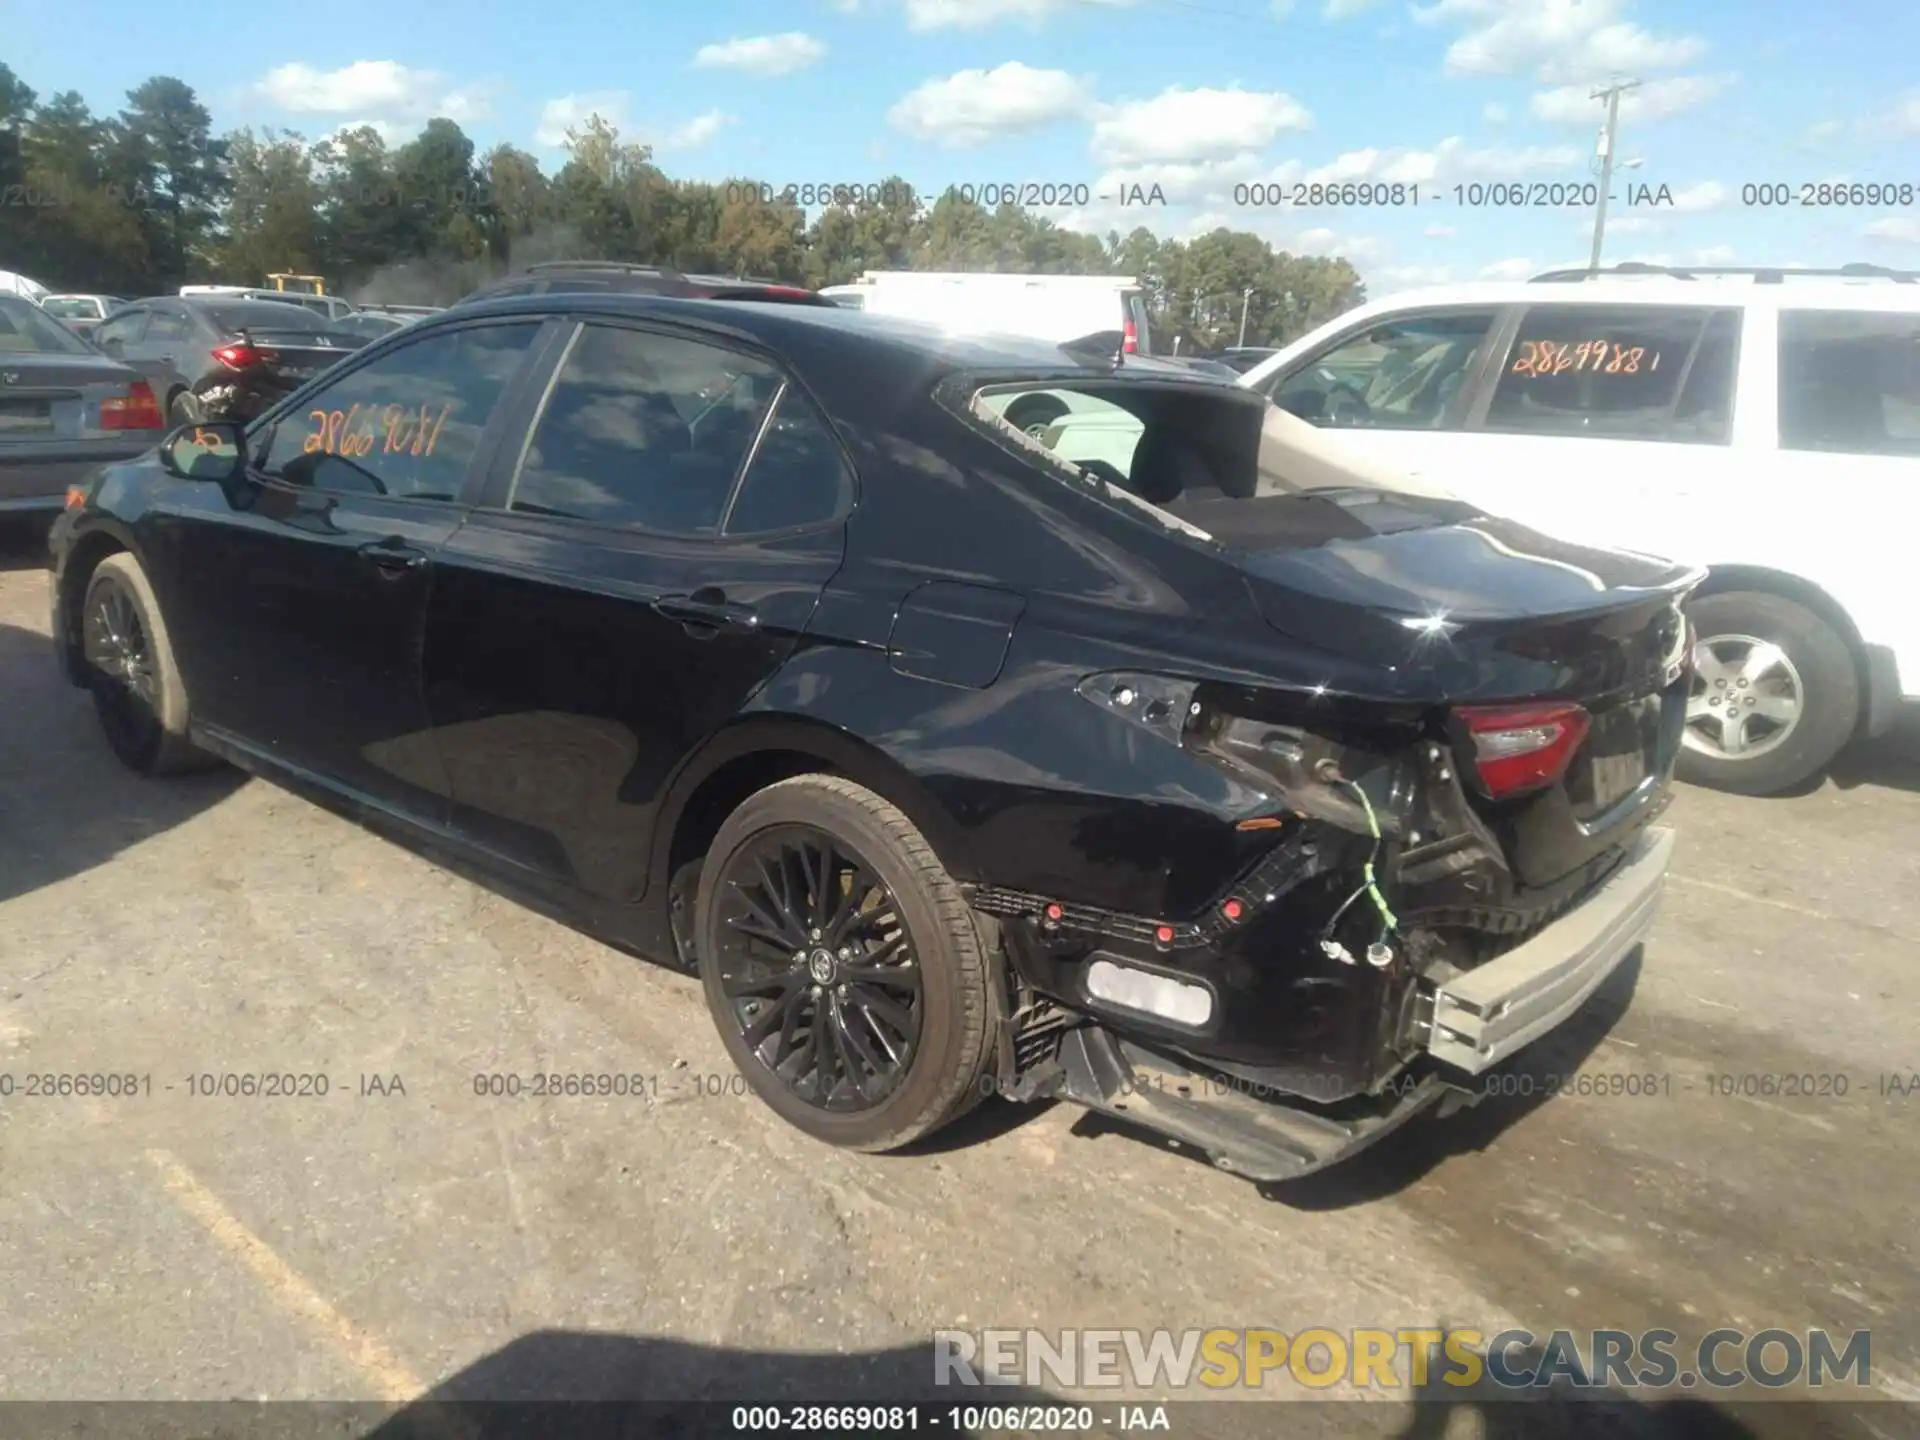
{"x": 131, "y": 672}
{"x": 1775, "y": 694}
{"x": 842, "y": 965}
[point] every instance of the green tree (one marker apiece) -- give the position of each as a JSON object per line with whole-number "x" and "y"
{"x": 273, "y": 220}
{"x": 165, "y": 155}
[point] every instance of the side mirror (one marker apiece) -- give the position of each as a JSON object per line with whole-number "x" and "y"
{"x": 214, "y": 450}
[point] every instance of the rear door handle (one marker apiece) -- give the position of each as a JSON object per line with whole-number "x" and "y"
{"x": 706, "y": 609}
{"x": 393, "y": 557}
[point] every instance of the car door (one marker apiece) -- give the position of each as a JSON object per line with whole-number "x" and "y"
{"x": 634, "y": 575}
{"x": 297, "y": 595}
{"x": 165, "y": 349}
{"x": 1612, "y": 424}
{"x": 117, "y": 336}
{"x": 1397, "y": 388}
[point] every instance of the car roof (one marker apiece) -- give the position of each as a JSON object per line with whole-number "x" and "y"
{"x": 1738, "y": 293}
{"x": 781, "y": 326}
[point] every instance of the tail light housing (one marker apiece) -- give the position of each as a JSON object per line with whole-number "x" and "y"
{"x": 244, "y": 357}
{"x": 1129, "y": 338}
{"x": 1521, "y": 748}
{"x": 135, "y": 410}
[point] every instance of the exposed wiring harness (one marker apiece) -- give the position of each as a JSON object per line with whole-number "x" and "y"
{"x": 1378, "y": 953}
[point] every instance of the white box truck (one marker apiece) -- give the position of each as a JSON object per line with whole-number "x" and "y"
{"x": 1056, "y": 308}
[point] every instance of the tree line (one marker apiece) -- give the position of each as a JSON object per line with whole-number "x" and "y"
{"x": 140, "y": 202}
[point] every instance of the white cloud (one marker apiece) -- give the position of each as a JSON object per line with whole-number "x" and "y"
{"x": 695, "y": 132}
{"x": 1320, "y": 240}
{"x": 1188, "y": 125}
{"x": 1345, "y": 9}
{"x": 384, "y": 89}
{"x": 1517, "y": 269}
{"x": 1559, "y": 41}
{"x": 846, "y": 7}
{"x": 1448, "y": 161}
{"x": 1494, "y": 113}
{"x": 1281, "y": 8}
{"x": 1902, "y": 120}
{"x": 1388, "y": 279}
{"x": 1439, "y": 232}
{"x": 762, "y": 54}
{"x": 1901, "y": 228}
{"x": 571, "y": 112}
{"x": 1654, "y": 100}
{"x": 1824, "y": 131}
{"x": 1623, "y": 225}
{"x": 970, "y": 107}
{"x": 979, "y": 14}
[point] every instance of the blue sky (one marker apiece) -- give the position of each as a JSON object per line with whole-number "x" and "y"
{"x": 1197, "y": 96}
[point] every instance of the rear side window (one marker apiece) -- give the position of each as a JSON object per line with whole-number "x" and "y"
{"x": 1647, "y": 372}
{"x": 1850, "y": 382}
{"x": 798, "y": 475}
{"x": 644, "y": 429}
{"x": 169, "y": 325}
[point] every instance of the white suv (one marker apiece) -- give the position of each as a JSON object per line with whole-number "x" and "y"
{"x": 1766, "y": 426}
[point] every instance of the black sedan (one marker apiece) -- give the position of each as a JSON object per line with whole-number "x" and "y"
{"x": 1263, "y": 799}
{"x": 64, "y": 409}
{"x": 217, "y": 357}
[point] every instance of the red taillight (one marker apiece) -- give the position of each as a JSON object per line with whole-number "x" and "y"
{"x": 135, "y": 410}
{"x": 1129, "y": 339}
{"x": 1518, "y": 748}
{"x": 244, "y": 357}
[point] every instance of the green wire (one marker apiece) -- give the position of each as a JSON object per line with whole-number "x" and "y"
{"x": 1372, "y": 885}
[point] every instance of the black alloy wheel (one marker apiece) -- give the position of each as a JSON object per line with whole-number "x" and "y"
{"x": 820, "y": 974}
{"x": 126, "y": 683}
{"x": 137, "y": 691}
{"x": 851, "y": 982}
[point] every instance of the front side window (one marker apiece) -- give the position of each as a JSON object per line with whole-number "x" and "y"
{"x": 408, "y": 424}
{"x": 1396, "y": 375}
{"x": 1628, "y": 372}
{"x": 1850, "y": 382}
{"x": 644, "y": 429}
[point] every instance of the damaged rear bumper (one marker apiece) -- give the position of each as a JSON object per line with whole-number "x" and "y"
{"x": 1483, "y": 1016}
{"x": 1480, "y": 1018}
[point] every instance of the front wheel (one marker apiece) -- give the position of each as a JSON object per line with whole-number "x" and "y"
{"x": 1775, "y": 694}
{"x": 136, "y": 686}
{"x": 842, "y": 965}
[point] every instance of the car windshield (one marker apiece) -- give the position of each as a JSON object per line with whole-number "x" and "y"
{"x": 1216, "y": 463}
{"x": 264, "y": 315}
{"x": 25, "y": 329}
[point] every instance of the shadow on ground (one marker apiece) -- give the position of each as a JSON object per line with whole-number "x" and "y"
{"x": 1892, "y": 762}
{"x": 632, "y": 1386}
{"x": 66, "y": 805}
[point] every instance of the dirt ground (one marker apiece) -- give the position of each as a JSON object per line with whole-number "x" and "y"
{"x": 410, "y": 1237}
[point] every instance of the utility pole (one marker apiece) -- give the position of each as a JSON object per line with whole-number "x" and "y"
{"x": 1245, "y": 296}
{"x": 1611, "y": 94}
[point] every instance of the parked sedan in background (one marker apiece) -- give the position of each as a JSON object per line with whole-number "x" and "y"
{"x": 215, "y": 357}
{"x": 81, "y": 313}
{"x": 64, "y": 409}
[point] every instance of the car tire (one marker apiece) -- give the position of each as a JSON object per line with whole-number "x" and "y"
{"x": 750, "y": 983}
{"x": 1033, "y": 413}
{"x": 1810, "y": 664}
{"x": 135, "y": 683}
